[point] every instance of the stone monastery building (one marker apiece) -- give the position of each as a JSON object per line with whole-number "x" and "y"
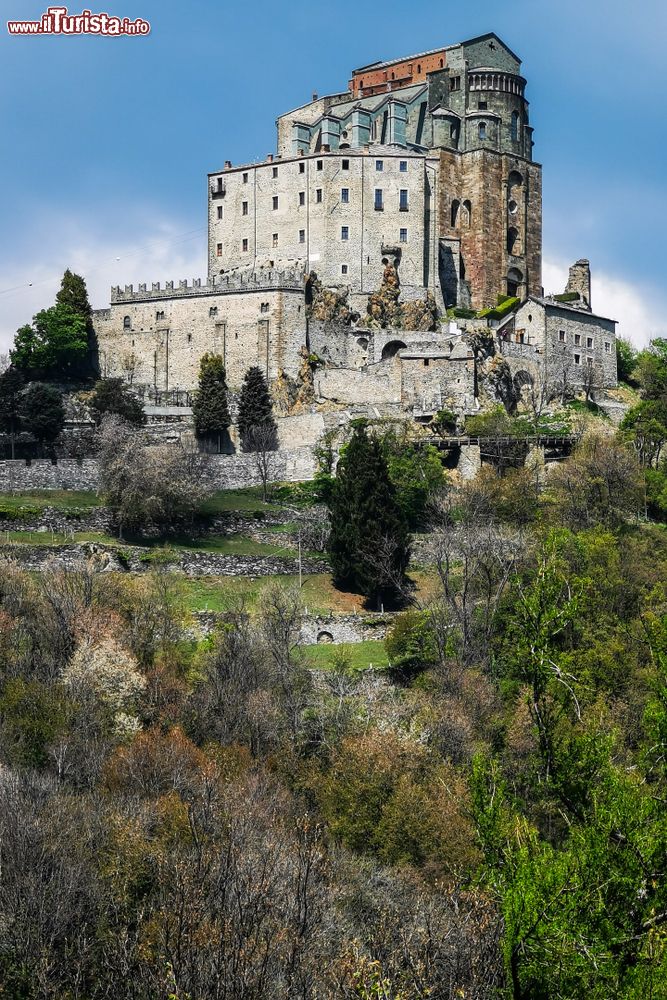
{"x": 419, "y": 176}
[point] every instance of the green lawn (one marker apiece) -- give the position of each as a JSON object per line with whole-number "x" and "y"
{"x": 223, "y": 593}
{"x": 55, "y": 537}
{"x": 14, "y": 504}
{"x": 230, "y": 545}
{"x": 355, "y": 655}
{"x": 247, "y": 501}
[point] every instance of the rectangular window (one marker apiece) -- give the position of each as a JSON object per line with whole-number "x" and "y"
{"x": 403, "y": 236}
{"x": 403, "y": 200}
{"x": 244, "y": 246}
{"x": 218, "y": 250}
{"x": 189, "y": 338}
{"x": 219, "y": 211}
{"x": 264, "y": 307}
{"x": 274, "y": 172}
{"x": 577, "y": 340}
{"x": 344, "y": 233}
{"x": 302, "y": 168}
{"x": 244, "y": 208}
{"x": 159, "y": 314}
{"x": 345, "y": 164}
{"x": 213, "y": 311}
{"x": 589, "y": 362}
{"x": 562, "y": 337}
{"x": 343, "y": 268}
{"x": 379, "y": 203}
{"x": 275, "y": 202}
{"x": 455, "y": 83}
{"x": 302, "y": 236}
{"x": 319, "y": 164}
{"x": 403, "y": 166}
{"x": 345, "y": 195}
{"x": 577, "y": 359}
{"x": 379, "y": 165}
{"x": 482, "y": 105}
{"x": 607, "y": 347}
{"x": 589, "y": 342}
{"x": 302, "y": 197}
{"x": 318, "y": 194}
{"x": 245, "y": 178}
{"x": 274, "y": 240}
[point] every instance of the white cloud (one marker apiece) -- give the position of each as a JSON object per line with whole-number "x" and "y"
{"x": 633, "y": 306}
{"x": 163, "y": 251}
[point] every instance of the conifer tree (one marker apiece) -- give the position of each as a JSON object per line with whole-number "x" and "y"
{"x": 210, "y": 408}
{"x": 255, "y": 412}
{"x": 43, "y": 412}
{"x": 12, "y": 384}
{"x": 74, "y": 294}
{"x": 368, "y": 544}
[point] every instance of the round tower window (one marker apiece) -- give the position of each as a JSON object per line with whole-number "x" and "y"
{"x": 513, "y": 207}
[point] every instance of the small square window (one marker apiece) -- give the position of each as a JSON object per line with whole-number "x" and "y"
{"x": 345, "y": 195}
{"x": 244, "y": 208}
{"x": 403, "y": 166}
{"x": 302, "y": 168}
{"x": 302, "y": 197}
{"x": 589, "y": 342}
{"x": 318, "y": 194}
{"x": 245, "y": 178}
{"x": 403, "y": 236}
{"x": 264, "y": 307}
{"x": 218, "y": 250}
{"x": 379, "y": 165}
{"x": 275, "y": 202}
{"x": 577, "y": 339}
{"x": 343, "y": 268}
{"x": 244, "y": 246}
{"x": 482, "y": 105}
{"x": 577, "y": 359}
{"x": 160, "y": 314}
{"x": 302, "y": 236}
{"x": 319, "y": 164}
{"x": 562, "y": 337}
{"x": 344, "y": 233}
{"x": 274, "y": 240}
{"x": 345, "y": 164}
{"x": 219, "y": 211}
{"x": 274, "y": 172}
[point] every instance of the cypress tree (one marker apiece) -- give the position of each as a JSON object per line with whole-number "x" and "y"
{"x": 12, "y": 384}
{"x": 74, "y": 294}
{"x": 368, "y": 544}
{"x": 210, "y": 408}
{"x": 255, "y": 409}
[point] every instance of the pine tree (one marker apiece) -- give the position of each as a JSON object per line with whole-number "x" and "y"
{"x": 74, "y": 295}
{"x": 210, "y": 408}
{"x": 255, "y": 412}
{"x": 12, "y": 385}
{"x": 368, "y": 544}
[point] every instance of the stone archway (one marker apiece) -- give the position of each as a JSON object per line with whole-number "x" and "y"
{"x": 391, "y": 349}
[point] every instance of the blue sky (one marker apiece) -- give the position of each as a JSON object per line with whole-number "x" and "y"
{"x": 107, "y": 142}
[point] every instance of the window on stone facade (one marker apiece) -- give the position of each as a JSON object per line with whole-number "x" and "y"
{"x": 127, "y": 323}
{"x": 454, "y": 215}
{"x": 577, "y": 339}
{"x": 319, "y": 164}
{"x": 379, "y": 202}
{"x": 264, "y": 307}
{"x": 302, "y": 168}
{"x": 318, "y": 194}
{"x": 244, "y": 208}
{"x": 403, "y": 166}
{"x": 607, "y": 347}
{"x": 455, "y": 83}
{"x": 302, "y": 236}
{"x": 514, "y": 126}
{"x": 482, "y": 105}
{"x": 344, "y": 233}
{"x": 379, "y": 165}
{"x": 403, "y": 200}
{"x": 345, "y": 195}
{"x": 512, "y": 240}
{"x": 275, "y": 202}
{"x": 345, "y": 164}
{"x": 189, "y": 338}
{"x": 589, "y": 342}
{"x": 213, "y": 311}
{"x": 343, "y": 268}
{"x": 577, "y": 359}
{"x": 219, "y": 211}
{"x": 218, "y": 250}
{"x": 589, "y": 362}
{"x": 244, "y": 246}
{"x": 132, "y": 343}
{"x": 302, "y": 197}
{"x": 482, "y": 130}
{"x": 159, "y": 314}
{"x": 274, "y": 240}
{"x": 274, "y": 172}
{"x": 245, "y": 178}
{"x": 467, "y": 205}
{"x": 562, "y": 337}
{"x": 403, "y": 236}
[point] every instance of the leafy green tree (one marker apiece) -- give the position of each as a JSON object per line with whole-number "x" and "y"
{"x": 651, "y": 369}
{"x": 646, "y": 427}
{"x": 209, "y": 407}
{"x": 56, "y": 341}
{"x": 626, "y": 359}
{"x": 368, "y": 545}
{"x": 411, "y": 643}
{"x": 12, "y": 384}
{"x": 42, "y": 412}
{"x": 112, "y": 395}
{"x": 255, "y": 410}
{"x": 416, "y": 473}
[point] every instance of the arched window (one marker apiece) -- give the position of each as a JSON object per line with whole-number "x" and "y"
{"x": 512, "y": 240}
{"x": 467, "y": 219}
{"x": 514, "y": 127}
{"x": 515, "y": 179}
{"x": 127, "y": 323}
{"x": 514, "y": 279}
{"x": 455, "y": 212}
{"x": 482, "y": 130}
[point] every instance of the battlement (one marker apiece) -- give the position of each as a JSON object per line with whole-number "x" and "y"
{"x": 260, "y": 279}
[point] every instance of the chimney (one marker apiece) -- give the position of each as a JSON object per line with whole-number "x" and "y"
{"x": 228, "y": 164}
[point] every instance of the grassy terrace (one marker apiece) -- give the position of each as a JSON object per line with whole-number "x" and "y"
{"x": 356, "y": 655}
